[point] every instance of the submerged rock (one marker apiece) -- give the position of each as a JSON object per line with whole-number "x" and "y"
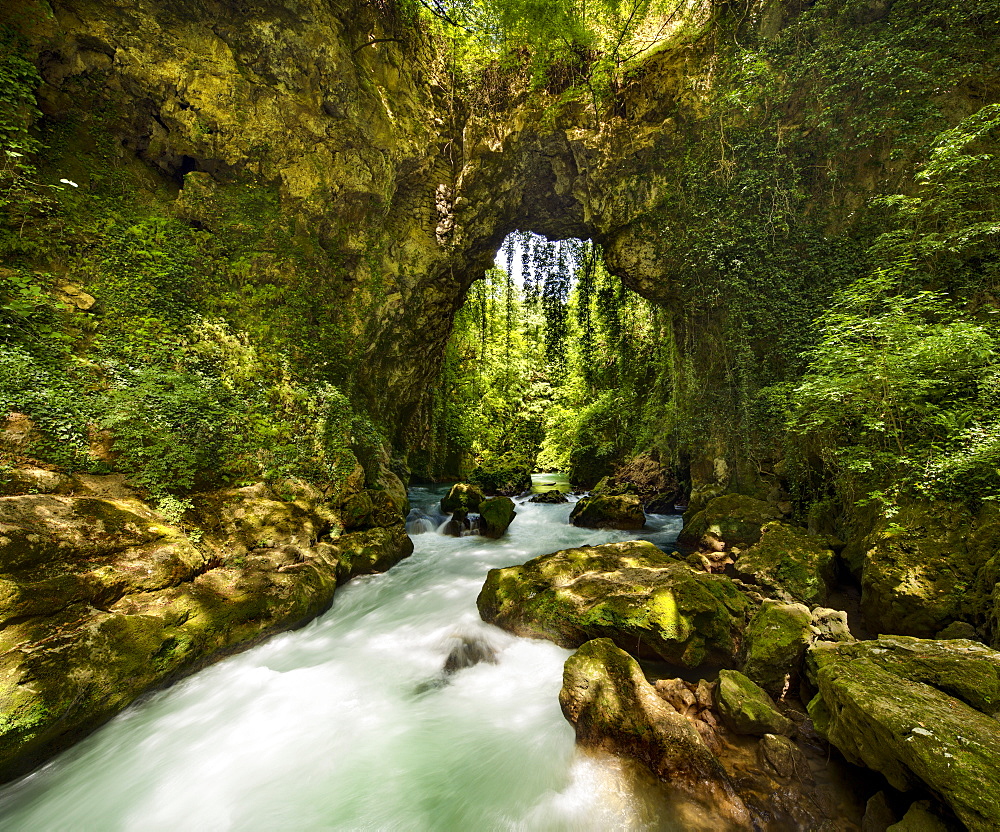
{"x": 470, "y": 651}
{"x": 612, "y": 512}
{"x": 746, "y": 708}
{"x": 102, "y": 600}
{"x": 631, "y": 592}
{"x": 462, "y": 496}
{"x": 495, "y": 515}
{"x": 788, "y": 561}
{"x": 606, "y": 698}
{"x": 917, "y": 711}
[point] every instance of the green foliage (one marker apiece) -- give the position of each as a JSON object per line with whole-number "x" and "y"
{"x": 172, "y": 430}
{"x": 577, "y": 48}
{"x": 901, "y": 391}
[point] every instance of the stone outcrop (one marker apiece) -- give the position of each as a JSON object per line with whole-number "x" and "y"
{"x": 101, "y": 599}
{"x": 606, "y": 698}
{"x": 787, "y": 562}
{"x": 920, "y": 712}
{"x": 609, "y": 512}
{"x": 729, "y": 520}
{"x": 633, "y": 593}
{"x": 932, "y": 564}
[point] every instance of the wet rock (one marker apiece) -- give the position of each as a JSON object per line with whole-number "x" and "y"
{"x": 606, "y": 698}
{"x": 369, "y": 509}
{"x": 458, "y": 524}
{"x": 781, "y": 757}
{"x": 917, "y": 711}
{"x": 470, "y": 651}
{"x": 462, "y": 496}
{"x": 101, "y": 599}
{"x": 746, "y": 708}
{"x": 734, "y": 519}
{"x": 495, "y": 515}
{"x": 776, "y": 639}
{"x": 550, "y": 497}
{"x": 617, "y": 512}
{"x": 788, "y": 561}
{"x": 631, "y": 592}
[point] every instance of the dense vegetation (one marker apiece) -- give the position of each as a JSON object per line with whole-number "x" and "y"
{"x": 855, "y": 340}
{"x": 839, "y": 329}
{"x": 178, "y": 364}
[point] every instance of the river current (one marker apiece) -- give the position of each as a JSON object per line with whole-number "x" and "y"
{"x": 351, "y": 723}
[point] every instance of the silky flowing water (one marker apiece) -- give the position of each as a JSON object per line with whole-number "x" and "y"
{"x": 350, "y": 723}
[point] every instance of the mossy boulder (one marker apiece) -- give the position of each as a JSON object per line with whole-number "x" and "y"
{"x": 102, "y": 600}
{"x": 647, "y": 602}
{"x": 746, "y": 708}
{"x": 912, "y": 709}
{"x": 606, "y": 697}
{"x": 734, "y": 519}
{"x": 462, "y": 496}
{"x": 495, "y": 515}
{"x": 926, "y": 567}
{"x": 550, "y": 497}
{"x": 776, "y": 642}
{"x": 789, "y": 562}
{"x": 623, "y": 511}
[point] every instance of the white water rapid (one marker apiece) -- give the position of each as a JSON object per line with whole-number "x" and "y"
{"x": 351, "y": 723}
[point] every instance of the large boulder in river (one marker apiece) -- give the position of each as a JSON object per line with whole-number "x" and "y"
{"x": 647, "y": 602}
{"x": 101, "y": 599}
{"x": 463, "y": 496}
{"x": 789, "y": 562}
{"x": 618, "y": 512}
{"x": 919, "y": 712}
{"x": 606, "y": 697}
{"x": 495, "y": 515}
{"x": 550, "y": 497}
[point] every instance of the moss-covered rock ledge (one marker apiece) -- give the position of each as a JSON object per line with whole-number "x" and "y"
{"x": 102, "y": 600}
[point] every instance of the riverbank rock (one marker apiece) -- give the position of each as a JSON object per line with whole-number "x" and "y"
{"x": 746, "y": 708}
{"x": 927, "y": 567}
{"x": 917, "y": 711}
{"x": 789, "y": 562}
{"x": 776, "y": 641}
{"x": 102, "y": 600}
{"x": 606, "y": 698}
{"x": 550, "y": 497}
{"x": 495, "y": 516}
{"x": 732, "y": 520}
{"x": 462, "y": 496}
{"x": 631, "y": 592}
{"x": 618, "y": 512}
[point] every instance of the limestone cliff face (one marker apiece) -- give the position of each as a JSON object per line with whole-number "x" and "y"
{"x": 350, "y": 114}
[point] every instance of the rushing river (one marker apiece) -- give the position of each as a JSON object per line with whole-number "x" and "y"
{"x": 350, "y": 723}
